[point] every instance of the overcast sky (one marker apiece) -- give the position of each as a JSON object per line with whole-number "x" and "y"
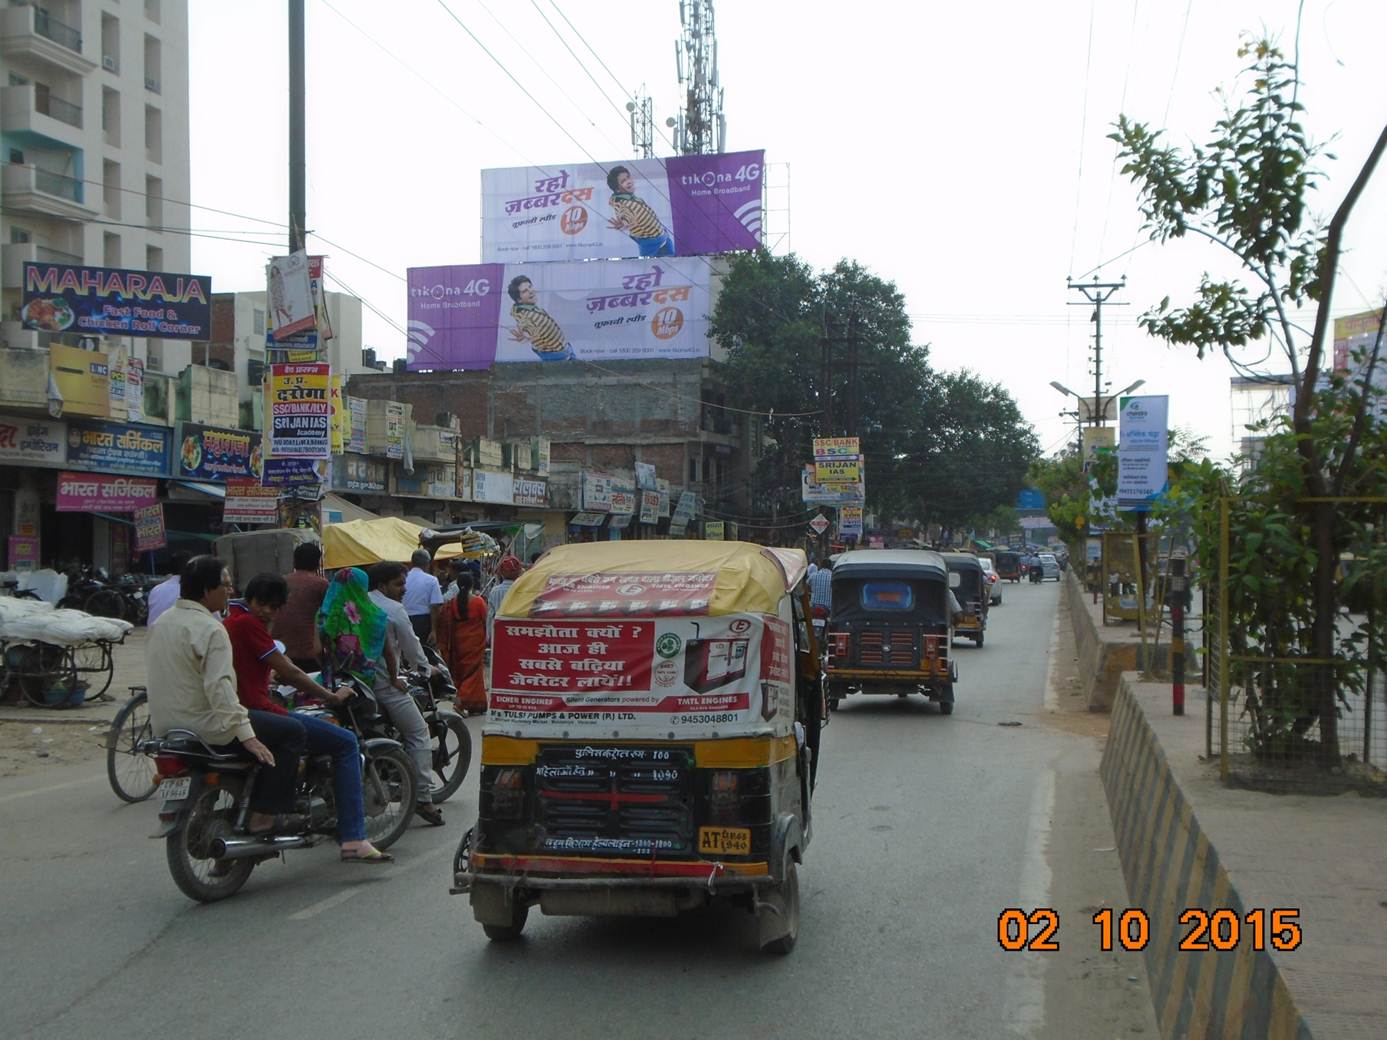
{"x": 957, "y": 150}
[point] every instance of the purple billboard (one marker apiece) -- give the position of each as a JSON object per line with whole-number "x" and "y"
{"x": 618, "y": 310}
{"x": 687, "y": 205}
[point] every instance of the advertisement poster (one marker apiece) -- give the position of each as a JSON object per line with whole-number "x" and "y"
{"x": 597, "y": 491}
{"x": 149, "y": 528}
{"x": 339, "y": 418}
{"x": 836, "y": 448}
{"x": 714, "y": 530}
{"x": 587, "y": 673}
{"x": 838, "y": 471}
{"x": 293, "y": 473}
{"x": 650, "y": 507}
{"x": 116, "y": 302}
{"x": 23, "y": 553}
{"x": 815, "y": 493}
{"x": 531, "y": 491}
{"x": 215, "y": 453}
{"x": 32, "y": 442}
{"x": 356, "y": 431}
{"x": 115, "y": 384}
{"x": 300, "y": 411}
{"x": 491, "y": 486}
{"x": 250, "y": 502}
{"x": 100, "y": 493}
{"x": 623, "y": 502}
{"x": 1354, "y": 336}
{"x": 619, "y": 310}
{"x": 645, "y": 477}
{"x": 81, "y": 380}
{"x": 686, "y": 205}
{"x": 134, "y": 389}
{"x": 142, "y": 450}
{"x": 290, "y": 307}
{"x": 359, "y": 473}
{"x": 849, "y": 521}
{"x": 1141, "y": 451}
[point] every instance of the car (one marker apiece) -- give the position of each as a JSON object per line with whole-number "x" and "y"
{"x": 1049, "y": 567}
{"x": 994, "y": 582}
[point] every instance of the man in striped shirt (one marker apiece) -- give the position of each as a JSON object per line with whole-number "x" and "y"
{"x": 635, "y": 217}
{"x": 533, "y": 324}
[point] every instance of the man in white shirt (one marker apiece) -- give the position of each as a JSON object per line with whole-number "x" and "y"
{"x": 423, "y": 597}
{"x": 387, "y": 589}
{"x": 165, "y": 594}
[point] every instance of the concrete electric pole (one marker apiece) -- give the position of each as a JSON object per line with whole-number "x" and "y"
{"x": 1097, "y": 294}
{"x": 297, "y": 161}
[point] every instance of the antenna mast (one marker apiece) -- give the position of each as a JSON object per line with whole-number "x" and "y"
{"x": 701, "y": 128}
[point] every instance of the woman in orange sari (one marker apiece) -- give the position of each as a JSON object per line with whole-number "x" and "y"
{"x": 462, "y": 642}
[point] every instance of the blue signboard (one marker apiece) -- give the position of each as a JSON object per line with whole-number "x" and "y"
{"x": 115, "y": 302}
{"x": 117, "y": 448}
{"x": 215, "y": 453}
{"x": 1030, "y": 498}
{"x": 288, "y": 473}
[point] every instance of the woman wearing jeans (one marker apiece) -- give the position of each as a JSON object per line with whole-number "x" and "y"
{"x": 255, "y": 655}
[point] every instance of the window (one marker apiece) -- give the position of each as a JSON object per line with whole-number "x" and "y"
{"x": 887, "y": 595}
{"x": 19, "y": 236}
{"x": 151, "y": 10}
{"x": 110, "y": 178}
{"x": 154, "y": 201}
{"x": 693, "y": 471}
{"x": 110, "y": 251}
{"x": 153, "y": 133}
{"x": 152, "y": 63}
{"x": 16, "y": 80}
{"x": 153, "y": 258}
{"x": 110, "y": 43}
{"x": 110, "y": 115}
{"x": 257, "y": 322}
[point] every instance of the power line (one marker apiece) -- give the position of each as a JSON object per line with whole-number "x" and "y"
{"x": 1083, "y": 135}
{"x": 554, "y": 29}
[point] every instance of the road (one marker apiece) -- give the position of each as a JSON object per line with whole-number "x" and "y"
{"x": 926, "y": 827}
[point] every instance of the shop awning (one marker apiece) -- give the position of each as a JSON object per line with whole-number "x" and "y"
{"x": 588, "y": 520}
{"x": 194, "y": 491}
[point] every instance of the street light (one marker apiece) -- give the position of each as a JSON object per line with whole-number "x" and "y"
{"x": 1096, "y": 414}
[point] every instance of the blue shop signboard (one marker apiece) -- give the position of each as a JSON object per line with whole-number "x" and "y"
{"x": 118, "y": 448}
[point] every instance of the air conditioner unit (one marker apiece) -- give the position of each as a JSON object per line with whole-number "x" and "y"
{"x": 150, "y": 83}
{"x": 154, "y": 362}
{"x": 109, "y": 63}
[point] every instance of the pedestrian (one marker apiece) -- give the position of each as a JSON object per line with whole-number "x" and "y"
{"x": 387, "y": 584}
{"x": 296, "y": 626}
{"x": 192, "y": 686}
{"x": 423, "y": 596}
{"x": 165, "y": 594}
{"x": 256, "y": 655}
{"x": 462, "y": 632}
{"x": 508, "y": 570}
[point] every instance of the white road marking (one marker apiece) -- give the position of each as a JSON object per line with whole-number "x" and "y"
{"x": 1024, "y": 992}
{"x": 49, "y": 789}
{"x": 387, "y": 871}
{"x": 1052, "y": 697}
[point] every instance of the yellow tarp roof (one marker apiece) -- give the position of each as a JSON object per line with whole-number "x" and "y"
{"x": 746, "y": 578}
{"x": 360, "y": 543}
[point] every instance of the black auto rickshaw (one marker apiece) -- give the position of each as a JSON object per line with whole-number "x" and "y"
{"x": 1008, "y": 565}
{"x": 970, "y": 587}
{"x": 891, "y": 629}
{"x": 651, "y": 738}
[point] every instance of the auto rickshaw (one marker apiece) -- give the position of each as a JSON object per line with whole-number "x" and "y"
{"x": 969, "y": 584}
{"x": 1008, "y": 565}
{"x": 890, "y": 630}
{"x": 651, "y": 738}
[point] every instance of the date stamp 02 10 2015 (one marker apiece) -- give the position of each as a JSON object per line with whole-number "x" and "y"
{"x": 1222, "y": 930}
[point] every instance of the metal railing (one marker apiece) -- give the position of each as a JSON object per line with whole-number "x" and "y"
{"x": 57, "y": 108}
{"x": 58, "y": 184}
{"x": 48, "y": 26}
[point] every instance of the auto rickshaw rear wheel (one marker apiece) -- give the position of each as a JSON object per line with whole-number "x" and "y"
{"x": 978, "y": 639}
{"x": 509, "y": 932}
{"x": 946, "y": 707}
{"x": 780, "y": 911}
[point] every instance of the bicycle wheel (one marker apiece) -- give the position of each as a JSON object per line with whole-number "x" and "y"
{"x": 131, "y": 773}
{"x": 39, "y": 667}
{"x": 96, "y": 666}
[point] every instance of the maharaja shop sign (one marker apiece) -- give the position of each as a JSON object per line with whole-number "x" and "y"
{"x": 116, "y": 302}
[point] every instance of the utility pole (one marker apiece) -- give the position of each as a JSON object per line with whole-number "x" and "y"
{"x": 700, "y": 128}
{"x": 1097, "y": 293}
{"x": 297, "y": 163}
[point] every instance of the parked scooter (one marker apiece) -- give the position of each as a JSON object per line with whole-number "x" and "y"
{"x": 205, "y": 801}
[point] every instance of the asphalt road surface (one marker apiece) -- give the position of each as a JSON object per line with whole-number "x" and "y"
{"x": 926, "y": 828}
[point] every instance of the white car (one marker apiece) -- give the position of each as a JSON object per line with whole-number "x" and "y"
{"x": 994, "y": 583}
{"x": 1049, "y": 567}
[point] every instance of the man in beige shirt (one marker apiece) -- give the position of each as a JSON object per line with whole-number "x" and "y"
{"x": 192, "y": 686}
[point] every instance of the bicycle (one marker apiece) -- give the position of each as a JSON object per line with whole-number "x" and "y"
{"x": 133, "y": 775}
{"x": 43, "y": 668}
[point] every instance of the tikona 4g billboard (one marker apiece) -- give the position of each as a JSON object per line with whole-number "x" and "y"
{"x": 686, "y": 205}
{"x": 621, "y": 310}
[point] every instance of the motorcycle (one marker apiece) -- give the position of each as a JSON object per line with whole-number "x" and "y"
{"x": 91, "y": 589}
{"x": 1037, "y": 573}
{"x": 205, "y": 800}
{"x": 452, "y": 743}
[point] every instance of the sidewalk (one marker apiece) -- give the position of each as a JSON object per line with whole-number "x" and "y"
{"x": 129, "y": 671}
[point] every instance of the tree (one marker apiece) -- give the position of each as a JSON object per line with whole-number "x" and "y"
{"x": 1247, "y": 191}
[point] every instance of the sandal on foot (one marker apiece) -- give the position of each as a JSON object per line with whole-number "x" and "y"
{"x": 430, "y": 814}
{"x": 374, "y": 856}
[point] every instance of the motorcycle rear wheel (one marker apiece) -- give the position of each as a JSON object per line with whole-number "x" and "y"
{"x": 389, "y": 795}
{"x": 452, "y": 754}
{"x": 198, "y": 877}
{"x": 106, "y": 603}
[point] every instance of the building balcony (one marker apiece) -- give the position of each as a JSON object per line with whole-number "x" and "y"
{"x": 13, "y": 256}
{"x": 23, "y": 373}
{"x": 30, "y": 108}
{"x": 30, "y": 32}
{"x": 29, "y": 189}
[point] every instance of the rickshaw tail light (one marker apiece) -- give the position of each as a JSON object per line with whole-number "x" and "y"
{"x": 723, "y": 795}
{"x": 508, "y": 793}
{"x": 838, "y": 647}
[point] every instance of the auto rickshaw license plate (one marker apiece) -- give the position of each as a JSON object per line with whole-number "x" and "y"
{"x": 727, "y": 841}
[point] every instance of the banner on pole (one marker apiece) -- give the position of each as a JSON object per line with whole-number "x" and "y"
{"x": 149, "y": 528}
{"x": 300, "y": 411}
{"x": 1142, "y": 447}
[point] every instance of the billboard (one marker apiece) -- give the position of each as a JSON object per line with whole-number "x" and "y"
{"x": 116, "y": 302}
{"x": 687, "y": 205}
{"x": 113, "y": 448}
{"x": 215, "y": 453}
{"x": 301, "y": 411}
{"x": 1142, "y": 443}
{"x": 623, "y": 310}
